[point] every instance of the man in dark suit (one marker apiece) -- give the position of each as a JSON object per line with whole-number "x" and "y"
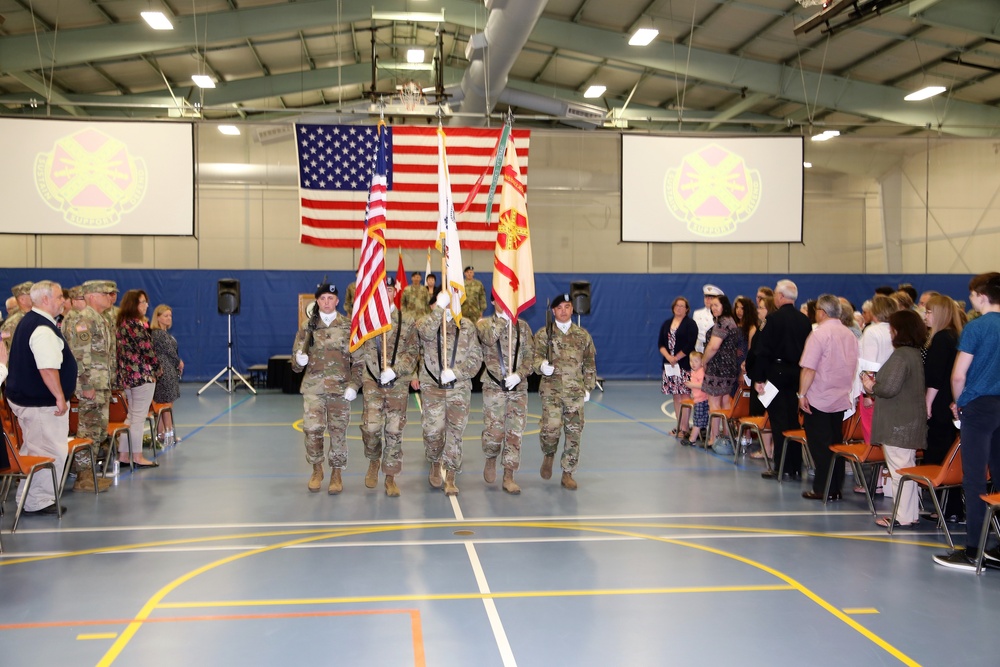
{"x": 782, "y": 340}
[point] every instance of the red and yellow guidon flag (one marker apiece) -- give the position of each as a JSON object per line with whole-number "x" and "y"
{"x": 513, "y": 271}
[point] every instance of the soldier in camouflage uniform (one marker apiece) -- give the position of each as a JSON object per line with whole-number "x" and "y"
{"x": 77, "y": 303}
{"x": 475, "y": 296}
{"x": 569, "y": 374}
{"x": 508, "y": 354}
{"x": 349, "y": 299}
{"x": 446, "y": 388}
{"x": 414, "y": 302}
{"x": 111, "y": 314}
{"x": 321, "y": 349}
{"x": 386, "y": 393}
{"x": 21, "y": 292}
{"x": 92, "y": 342}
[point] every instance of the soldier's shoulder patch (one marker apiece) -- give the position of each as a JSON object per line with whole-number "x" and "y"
{"x": 81, "y": 327}
{"x": 84, "y": 336}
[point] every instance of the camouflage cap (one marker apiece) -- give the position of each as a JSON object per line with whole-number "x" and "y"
{"x": 22, "y": 289}
{"x": 99, "y": 287}
{"x": 76, "y": 292}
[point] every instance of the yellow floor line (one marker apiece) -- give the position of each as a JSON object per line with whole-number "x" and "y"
{"x": 861, "y": 610}
{"x": 98, "y": 635}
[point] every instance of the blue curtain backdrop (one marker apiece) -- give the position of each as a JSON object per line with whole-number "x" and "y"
{"x": 626, "y": 309}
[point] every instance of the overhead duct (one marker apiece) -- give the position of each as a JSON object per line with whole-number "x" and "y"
{"x": 492, "y": 54}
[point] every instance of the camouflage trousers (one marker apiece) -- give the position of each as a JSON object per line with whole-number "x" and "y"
{"x": 504, "y": 416}
{"x": 326, "y": 412}
{"x": 561, "y": 412}
{"x": 93, "y": 424}
{"x": 385, "y": 410}
{"x": 446, "y": 413}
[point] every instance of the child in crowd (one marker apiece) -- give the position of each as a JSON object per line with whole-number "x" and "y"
{"x": 699, "y": 397}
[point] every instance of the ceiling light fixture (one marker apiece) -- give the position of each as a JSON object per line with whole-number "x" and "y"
{"x": 924, "y": 93}
{"x": 805, "y": 165}
{"x": 595, "y": 91}
{"x": 826, "y": 135}
{"x": 415, "y": 56}
{"x": 203, "y": 81}
{"x": 410, "y": 17}
{"x": 643, "y": 36}
{"x": 229, "y": 130}
{"x": 157, "y": 20}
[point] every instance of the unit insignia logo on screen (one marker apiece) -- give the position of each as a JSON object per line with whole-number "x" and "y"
{"x": 91, "y": 178}
{"x": 713, "y": 190}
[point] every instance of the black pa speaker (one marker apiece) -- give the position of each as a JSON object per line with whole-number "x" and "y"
{"x": 579, "y": 294}
{"x": 229, "y": 296}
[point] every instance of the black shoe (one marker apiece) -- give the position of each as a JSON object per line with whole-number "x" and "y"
{"x": 833, "y": 497}
{"x": 812, "y": 495}
{"x": 769, "y": 474}
{"x": 49, "y": 510}
{"x": 956, "y": 560}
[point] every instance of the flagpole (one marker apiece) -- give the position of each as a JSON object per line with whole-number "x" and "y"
{"x": 444, "y": 314}
{"x": 510, "y": 343}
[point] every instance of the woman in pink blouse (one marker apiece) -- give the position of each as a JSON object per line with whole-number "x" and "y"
{"x": 136, "y": 370}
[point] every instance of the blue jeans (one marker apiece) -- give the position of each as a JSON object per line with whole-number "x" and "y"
{"x": 980, "y": 448}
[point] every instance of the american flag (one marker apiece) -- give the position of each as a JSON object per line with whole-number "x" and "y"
{"x": 335, "y": 166}
{"x": 370, "y": 315}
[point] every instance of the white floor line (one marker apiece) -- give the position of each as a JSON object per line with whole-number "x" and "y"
{"x": 354, "y": 544}
{"x": 407, "y": 522}
{"x": 503, "y": 645}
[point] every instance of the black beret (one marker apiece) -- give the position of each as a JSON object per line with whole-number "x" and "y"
{"x": 561, "y": 299}
{"x": 468, "y": 268}
{"x": 326, "y": 288}
{"x": 390, "y": 281}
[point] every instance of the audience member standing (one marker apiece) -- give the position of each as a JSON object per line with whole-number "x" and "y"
{"x": 875, "y": 348}
{"x": 703, "y": 316}
{"x": 777, "y": 361}
{"x": 678, "y": 337}
{"x": 475, "y": 296}
{"x": 975, "y": 380}
{"x": 944, "y": 318}
{"x": 168, "y": 384}
{"x": 137, "y": 366}
{"x": 900, "y": 420}
{"x": 42, "y": 377}
{"x": 828, "y": 362}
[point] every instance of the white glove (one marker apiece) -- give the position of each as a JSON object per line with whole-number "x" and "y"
{"x": 443, "y": 299}
{"x": 387, "y": 376}
{"x": 586, "y": 395}
{"x": 512, "y": 380}
{"x": 502, "y": 314}
{"x": 447, "y": 375}
{"x": 448, "y": 317}
{"x": 302, "y": 359}
{"x": 546, "y": 368}
{"x": 350, "y": 394}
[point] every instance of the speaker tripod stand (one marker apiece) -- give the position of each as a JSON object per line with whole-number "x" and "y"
{"x": 228, "y": 371}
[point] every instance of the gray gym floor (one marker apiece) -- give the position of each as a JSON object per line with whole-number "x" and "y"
{"x": 665, "y": 555}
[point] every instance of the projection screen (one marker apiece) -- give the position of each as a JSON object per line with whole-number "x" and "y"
{"x": 80, "y": 177}
{"x": 712, "y": 189}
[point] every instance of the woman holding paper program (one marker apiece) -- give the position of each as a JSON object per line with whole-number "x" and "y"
{"x": 678, "y": 336}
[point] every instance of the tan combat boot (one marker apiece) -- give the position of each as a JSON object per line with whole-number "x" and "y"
{"x": 371, "y": 477}
{"x": 490, "y": 471}
{"x": 435, "y": 477}
{"x": 509, "y": 485}
{"x": 317, "y": 477}
{"x": 449, "y": 484}
{"x": 391, "y": 489}
{"x": 85, "y": 482}
{"x": 336, "y": 485}
{"x": 568, "y": 481}
{"x": 547, "y": 466}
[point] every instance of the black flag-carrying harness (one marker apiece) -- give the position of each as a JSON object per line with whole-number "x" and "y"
{"x": 454, "y": 350}
{"x": 503, "y": 371}
{"x": 395, "y": 349}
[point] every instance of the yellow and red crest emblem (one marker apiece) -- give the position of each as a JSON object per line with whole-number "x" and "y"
{"x": 712, "y": 190}
{"x": 91, "y": 178}
{"x": 512, "y": 230}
